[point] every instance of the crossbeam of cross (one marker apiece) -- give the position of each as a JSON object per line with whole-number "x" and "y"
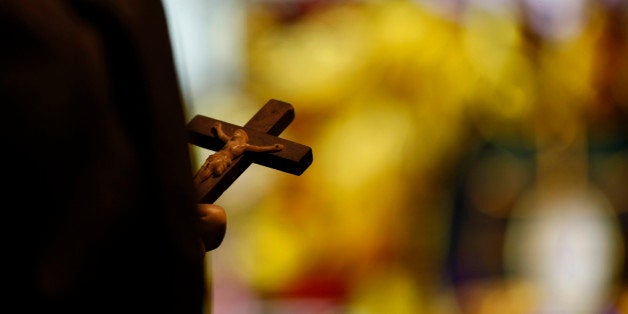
{"x": 263, "y": 129}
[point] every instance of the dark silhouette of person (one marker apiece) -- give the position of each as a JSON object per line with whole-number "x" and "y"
{"x": 99, "y": 202}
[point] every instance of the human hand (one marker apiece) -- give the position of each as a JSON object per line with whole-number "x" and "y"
{"x": 212, "y": 223}
{"x": 216, "y": 127}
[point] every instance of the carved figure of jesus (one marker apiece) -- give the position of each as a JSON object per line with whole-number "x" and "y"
{"x": 235, "y": 145}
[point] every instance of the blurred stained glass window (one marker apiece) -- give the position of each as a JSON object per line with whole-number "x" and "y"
{"x": 469, "y": 156}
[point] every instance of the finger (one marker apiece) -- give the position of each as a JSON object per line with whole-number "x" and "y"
{"x": 212, "y": 222}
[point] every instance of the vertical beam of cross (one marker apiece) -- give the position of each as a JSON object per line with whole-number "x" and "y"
{"x": 262, "y": 129}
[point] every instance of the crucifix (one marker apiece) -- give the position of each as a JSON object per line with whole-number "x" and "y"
{"x": 264, "y": 147}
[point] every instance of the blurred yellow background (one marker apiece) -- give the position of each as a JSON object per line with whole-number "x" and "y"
{"x": 469, "y": 156}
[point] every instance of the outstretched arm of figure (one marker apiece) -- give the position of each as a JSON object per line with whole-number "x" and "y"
{"x": 217, "y": 128}
{"x": 261, "y": 149}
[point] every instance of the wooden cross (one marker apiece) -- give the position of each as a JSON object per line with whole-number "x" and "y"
{"x": 262, "y": 130}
